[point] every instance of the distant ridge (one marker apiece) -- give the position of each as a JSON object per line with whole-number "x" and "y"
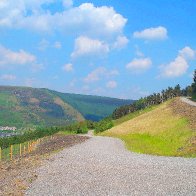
{"x": 28, "y": 107}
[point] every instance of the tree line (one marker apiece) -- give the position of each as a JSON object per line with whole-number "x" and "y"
{"x": 40, "y": 132}
{"x": 157, "y": 98}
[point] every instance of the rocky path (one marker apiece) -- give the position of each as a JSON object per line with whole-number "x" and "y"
{"x": 102, "y": 166}
{"x": 188, "y": 101}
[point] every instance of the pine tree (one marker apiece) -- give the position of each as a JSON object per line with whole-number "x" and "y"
{"x": 194, "y": 86}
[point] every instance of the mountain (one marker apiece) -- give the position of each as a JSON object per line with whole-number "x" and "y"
{"x": 23, "y": 106}
{"x": 92, "y": 107}
{"x": 27, "y": 107}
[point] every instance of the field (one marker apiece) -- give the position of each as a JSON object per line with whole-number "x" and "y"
{"x": 157, "y": 131}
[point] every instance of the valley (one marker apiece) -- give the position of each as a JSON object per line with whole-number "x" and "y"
{"x": 24, "y": 107}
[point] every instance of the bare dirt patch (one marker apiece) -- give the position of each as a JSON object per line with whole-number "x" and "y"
{"x": 189, "y": 112}
{"x": 185, "y": 110}
{"x": 16, "y": 176}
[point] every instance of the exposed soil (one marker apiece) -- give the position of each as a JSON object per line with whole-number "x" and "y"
{"x": 185, "y": 110}
{"x": 189, "y": 112}
{"x": 16, "y": 176}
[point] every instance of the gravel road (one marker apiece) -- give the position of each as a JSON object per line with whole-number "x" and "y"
{"x": 102, "y": 166}
{"x": 188, "y": 101}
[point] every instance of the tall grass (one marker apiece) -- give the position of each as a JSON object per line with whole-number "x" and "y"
{"x": 133, "y": 115}
{"x": 155, "y": 131}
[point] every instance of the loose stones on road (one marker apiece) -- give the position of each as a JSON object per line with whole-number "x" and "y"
{"x": 102, "y": 166}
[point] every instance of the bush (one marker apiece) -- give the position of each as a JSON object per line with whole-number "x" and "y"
{"x": 90, "y": 124}
{"x": 103, "y": 125}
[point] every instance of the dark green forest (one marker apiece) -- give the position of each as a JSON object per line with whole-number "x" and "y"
{"x": 91, "y": 107}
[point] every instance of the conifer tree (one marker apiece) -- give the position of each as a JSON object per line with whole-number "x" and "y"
{"x": 194, "y": 85}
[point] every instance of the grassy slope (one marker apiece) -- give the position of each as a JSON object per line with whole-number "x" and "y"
{"x": 27, "y": 107}
{"x": 194, "y": 98}
{"x": 156, "y": 131}
{"x": 92, "y": 107}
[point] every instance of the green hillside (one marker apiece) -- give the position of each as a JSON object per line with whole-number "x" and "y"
{"x": 27, "y": 107}
{"x": 92, "y": 107}
{"x": 167, "y": 129}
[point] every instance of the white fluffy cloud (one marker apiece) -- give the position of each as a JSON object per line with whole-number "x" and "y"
{"x": 84, "y": 19}
{"x": 67, "y": 3}
{"x": 187, "y": 53}
{"x": 13, "y": 59}
{"x": 9, "y": 57}
{"x": 153, "y": 33}
{"x": 179, "y": 65}
{"x": 8, "y": 77}
{"x": 139, "y": 64}
{"x": 111, "y": 84}
{"x": 99, "y": 73}
{"x": 86, "y": 46}
{"x": 68, "y": 67}
{"x": 120, "y": 42}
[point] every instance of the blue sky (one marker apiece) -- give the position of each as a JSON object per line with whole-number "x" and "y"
{"x": 124, "y": 49}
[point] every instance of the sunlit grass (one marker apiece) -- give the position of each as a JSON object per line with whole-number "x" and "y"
{"x": 157, "y": 131}
{"x": 133, "y": 115}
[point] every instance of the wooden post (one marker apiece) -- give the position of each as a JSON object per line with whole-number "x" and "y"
{"x": 11, "y": 152}
{"x": 24, "y": 149}
{"x": 20, "y": 150}
{"x": 0, "y": 154}
{"x": 28, "y": 147}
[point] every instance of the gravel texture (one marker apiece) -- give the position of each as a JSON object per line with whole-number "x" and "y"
{"x": 102, "y": 166}
{"x": 188, "y": 101}
{"x": 17, "y": 175}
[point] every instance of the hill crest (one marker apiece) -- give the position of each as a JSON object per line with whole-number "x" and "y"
{"x": 27, "y": 107}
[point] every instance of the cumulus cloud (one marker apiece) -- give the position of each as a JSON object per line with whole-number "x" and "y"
{"x": 86, "y": 46}
{"x": 187, "y": 53}
{"x": 68, "y": 67}
{"x": 139, "y": 64}
{"x": 67, "y": 3}
{"x": 179, "y": 65}
{"x": 153, "y": 33}
{"x": 8, "y": 77}
{"x": 84, "y": 19}
{"x": 138, "y": 52}
{"x": 43, "y": 44}
{"x": 9, "y": 57}
{"x": 98, "y": 73}
{"x": 111, "y": 84}
{"x": 120, "y": 42}
{"x": 12, "y": 59}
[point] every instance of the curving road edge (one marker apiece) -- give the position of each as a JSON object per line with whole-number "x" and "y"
{"x": 188, "y": 101}
{"x": 102, "y": 166}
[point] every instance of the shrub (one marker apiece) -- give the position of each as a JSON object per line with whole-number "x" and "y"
{"x": 103, "y": 125}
